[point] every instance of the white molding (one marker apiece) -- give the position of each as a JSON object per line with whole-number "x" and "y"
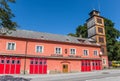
{"x": 36, "y": 48}
{"x": 55, "y": 50}
{"x": 70, "y": 51}
{"x": 97, "y": 53}
{"x": 87, "y": 51}
{"x": 7, "y": 46}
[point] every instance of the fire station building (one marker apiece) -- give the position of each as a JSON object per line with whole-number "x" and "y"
{"x": 29, "y": 52}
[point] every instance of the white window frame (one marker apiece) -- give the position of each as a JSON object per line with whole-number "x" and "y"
{"x": 60, "y": 50}
{"x": 39, "y": 50}
{"x": 96, "y": 52}
{"x": 11, "y": 47}
{"x": 104, "y": 61}
{"x": 87, "y": 52}
{"x": 71, "y": 51}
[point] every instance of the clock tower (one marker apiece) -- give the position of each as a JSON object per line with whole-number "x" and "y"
{"x": 96, "y": 31}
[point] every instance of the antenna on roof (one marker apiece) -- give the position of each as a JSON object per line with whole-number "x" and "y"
{"x": 99, "y": 5}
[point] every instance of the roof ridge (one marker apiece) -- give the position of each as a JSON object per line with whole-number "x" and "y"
{"x": 41, "y": 32}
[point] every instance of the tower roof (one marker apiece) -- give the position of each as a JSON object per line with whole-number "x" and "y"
{"x": 94, "y": 12}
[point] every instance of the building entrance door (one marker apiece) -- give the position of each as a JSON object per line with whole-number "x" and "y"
{"x": 65, "y": 68}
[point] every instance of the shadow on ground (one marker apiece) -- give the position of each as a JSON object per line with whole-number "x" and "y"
{"x": 11, "y": 78}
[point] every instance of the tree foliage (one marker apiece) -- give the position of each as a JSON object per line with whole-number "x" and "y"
{"x": 112, "y": 34}
{"x": 81, "y": 31}
{"x": 6, "y": 15}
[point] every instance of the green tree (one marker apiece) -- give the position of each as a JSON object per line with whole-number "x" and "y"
{"x": 6, "y": 16}
{"x": 112, "y": 34}
{"x": 81, "y": 31}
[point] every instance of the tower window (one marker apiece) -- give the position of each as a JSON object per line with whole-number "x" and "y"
{"x": 101, "y": 39}
{"x": 99, "y": 20}
{"x": 100, "y": 30}
{"x": 102, "y": 50}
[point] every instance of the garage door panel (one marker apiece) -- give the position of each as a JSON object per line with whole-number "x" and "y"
{"x": 31, "y": 66}
{"x": 7, "y": 65}
{"x": 36, "y": 66}
{"x": 44, "y": 66}
{"x": 12, "y": 71}
{"x": 39, "y": 66}
{"x": 17, "y": 66}
{"x": 2, "y": 65}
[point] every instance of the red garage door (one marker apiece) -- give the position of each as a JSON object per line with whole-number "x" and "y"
{"x": 85, "y": 66}
{"x": 38, "y": 66}
{"x": 96, "y": 65}
{"x": 2, "y": 62}
{"x": 9, "y": 65}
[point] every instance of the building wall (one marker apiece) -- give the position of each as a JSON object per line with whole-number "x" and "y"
{"x": 49, "y": 48}
{"x": 57, "y": 65}
{"x": 19, "y": 48}
{"x": 27, "y": 47}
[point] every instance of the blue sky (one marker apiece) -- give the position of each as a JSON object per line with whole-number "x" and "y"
{"x": 61, "y": 16}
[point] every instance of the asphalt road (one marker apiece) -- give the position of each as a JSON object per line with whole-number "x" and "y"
{"x": 103, "y": 75}
{"x": 90, "y": 76}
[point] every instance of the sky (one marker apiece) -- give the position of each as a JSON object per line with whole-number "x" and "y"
{"x": 61, "y": 16}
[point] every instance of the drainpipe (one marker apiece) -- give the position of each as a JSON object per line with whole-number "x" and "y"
{"x": 25, "y": 57}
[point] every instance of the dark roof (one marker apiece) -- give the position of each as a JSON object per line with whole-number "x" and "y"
{"x": 93, "y": 11}
{"x": 50, "y": 37}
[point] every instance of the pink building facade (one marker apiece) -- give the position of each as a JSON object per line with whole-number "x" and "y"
{"x": 43, "y": 54}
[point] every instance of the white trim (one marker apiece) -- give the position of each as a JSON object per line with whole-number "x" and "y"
{"x": 71, "y": 53}
{"x": 94, "y": 51}
{"x": 55, "y": 50}
{"x": 87, "y": 52}
{"x": 10, "y": 49}
{"x": 104, "y": 61}
{"x": 36, "y": 48}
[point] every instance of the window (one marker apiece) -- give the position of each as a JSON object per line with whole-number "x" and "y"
{"x": 31, "y": 62}
{"x": 13, "y": 61}
{"x": 95, "y": 53}
{"x": 104, "y": 61}
{"x": 8, "y": 61}
{"x": 100, "y": 30}
{"x": 39, "y": 49}
{"x": 99, "y": 20}
{"x": 11, "y": 46}
{"x": 18, "y": 62}
{"x": 41, "y": 62}
{"x": 58, "y": 50}
{"x": 2, "y": 61}
{"x": 72, "y": 51}
{"x": 44, "y": 63}
{"x": 101, "y": 39}
{"x": 102, "y": 50}
{"x": 36, "y": 62}
{"x": 85, "y": 52}
{"x": 65, "y": 51}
